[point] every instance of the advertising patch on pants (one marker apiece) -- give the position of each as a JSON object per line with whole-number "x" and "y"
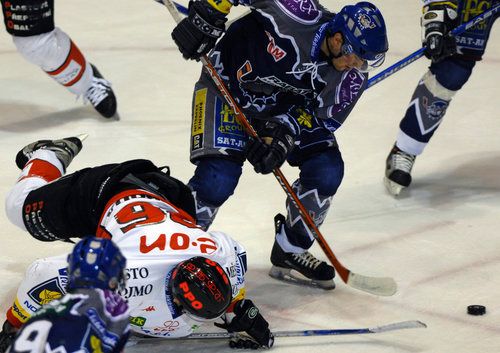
{"x": 229, "y": 133}
{"x": 198, "y": 127}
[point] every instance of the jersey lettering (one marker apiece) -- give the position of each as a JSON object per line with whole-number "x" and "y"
{"x": 137, "y": 214}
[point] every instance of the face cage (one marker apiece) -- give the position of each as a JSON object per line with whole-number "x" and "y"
{"x": 368, "y": 65}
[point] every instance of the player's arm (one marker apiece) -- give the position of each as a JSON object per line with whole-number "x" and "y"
{"x": 438, "y": 19}
{"x": 197, "y": 34}
{"x": 247, "y": 318}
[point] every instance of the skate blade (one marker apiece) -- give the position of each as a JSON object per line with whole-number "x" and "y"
{"x": 393, "y": 188}
{"x": 82, "y": 137}
{"x": 295, "y": 277}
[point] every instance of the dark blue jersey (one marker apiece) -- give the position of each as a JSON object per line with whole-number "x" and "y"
{"x": 272, "y": 63}
{"x": 472, "y": 43}
{"x": 89, "y": 320}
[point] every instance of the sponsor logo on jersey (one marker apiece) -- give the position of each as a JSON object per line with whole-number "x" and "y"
{"x": 95, "y": 344}
{"x": 46, "y": 292}
{"x": 198, "y": 127}
{"x": 18, "y": 312}
{"x": 137, "y": 321}
{"x": 149, "y": 308}
{"x": 168, "y": 326}
{"x": 229, "y": 133}
{"x": 136, "y": 273}
{"x": 136, "y": 291}
{"x": 304, "y": 118}
{"x": 276, "y": 52}
{"x": 303, "y": 11}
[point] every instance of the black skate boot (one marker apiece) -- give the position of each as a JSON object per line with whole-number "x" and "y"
{"x": 398, "y": 170}
{"x": 299, "y": 268}
{"x": 66, "y": 149}
{"x": 101, "y": 95}
{"x": 7, "y": 335}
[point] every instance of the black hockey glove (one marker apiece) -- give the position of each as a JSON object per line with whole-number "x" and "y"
{"x": 270, "y": 151}
{"x": 197, "y": 34}
{"x": 248, "y": 319}
{"x": 437, "y": 22}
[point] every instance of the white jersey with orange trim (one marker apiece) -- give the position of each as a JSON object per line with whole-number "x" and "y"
{"x": 154, "y": 236}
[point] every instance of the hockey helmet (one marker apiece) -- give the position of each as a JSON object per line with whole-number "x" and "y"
{"x": 96, "y": 263}
{"x": 201, "y": 287}
{"x": 363, "y": 31}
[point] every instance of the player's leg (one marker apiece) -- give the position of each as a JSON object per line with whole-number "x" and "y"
{"x": 423, "y": 116}
{"x": 217, "y": 145}
{"x": 321, "y": 172}
{"x": 41, "y": 162}
{"x": 44, "y": 281}
{"x": 31, "y": 24}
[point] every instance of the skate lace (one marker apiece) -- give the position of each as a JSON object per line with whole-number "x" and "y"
{"x": 307, "y": 259}
{"x": 403, "y": 161}
{"x": 98, "y": 91}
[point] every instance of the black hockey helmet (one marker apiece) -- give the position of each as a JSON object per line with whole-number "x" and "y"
{"x": 201, "y": 287}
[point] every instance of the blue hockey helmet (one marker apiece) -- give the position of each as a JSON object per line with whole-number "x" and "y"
{"x": 96, "y": 263}
{"x": 364, "y": 33}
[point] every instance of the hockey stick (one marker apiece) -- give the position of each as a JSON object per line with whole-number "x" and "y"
{"x": 384, "y": 286}
{"x": 329, "y": 332}
{"x": 420, "y": 52}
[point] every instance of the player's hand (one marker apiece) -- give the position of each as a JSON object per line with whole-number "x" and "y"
{"x": 248, "y": 319}
{"x": 197, "y": 34}
{"x": 271, "y": 150}
{"x": 438, "y": 20}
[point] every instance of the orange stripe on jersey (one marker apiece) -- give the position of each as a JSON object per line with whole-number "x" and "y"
{"x": 40, "y": 169}
{"x": 102, "y": 233}
{"x": 74, "y": 55}
{"x": 16, "y": 315}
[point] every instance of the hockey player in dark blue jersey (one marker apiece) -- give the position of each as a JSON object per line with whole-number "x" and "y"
{"x": 296, "y": 70}
{"x": 91, "y": 317}
{"x": 453, "y": 59}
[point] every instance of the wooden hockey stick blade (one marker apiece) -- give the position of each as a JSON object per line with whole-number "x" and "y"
{"x": 383, "y": 286}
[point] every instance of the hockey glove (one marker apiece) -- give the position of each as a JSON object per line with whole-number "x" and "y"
{"x": 248, "y": 319}
{"x": 270, "y": 151}
{"x": 437, "y": 21}
{"x": 197, "y": 34}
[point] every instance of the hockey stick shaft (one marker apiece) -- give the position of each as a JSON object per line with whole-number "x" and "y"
{"x": 303, "y": 333}
{"x": 420, "y": 52}
{"x": 375, "y": 285}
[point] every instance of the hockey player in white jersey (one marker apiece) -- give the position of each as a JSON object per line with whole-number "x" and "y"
{"x": 178, "y": 275}
{"x": 91, "y": 317}
{"x": 31, "y": 25}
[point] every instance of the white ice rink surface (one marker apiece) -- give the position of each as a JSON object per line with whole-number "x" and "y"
{"x": 440, "y": 241}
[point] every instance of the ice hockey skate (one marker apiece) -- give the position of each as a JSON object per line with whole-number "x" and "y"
{"x": 299, "y": 268}
{"x": 100, "y": 95}
{"x": 7, "y": 335}
{"x": 65, "y": 149}
{"x": 398, "y": 170}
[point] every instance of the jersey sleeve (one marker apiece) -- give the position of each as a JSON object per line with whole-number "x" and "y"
{"x": 340, "y": 102}
{"x": 233, "y": 259}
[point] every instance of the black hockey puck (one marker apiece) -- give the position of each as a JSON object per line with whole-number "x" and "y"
{"x": 476, "y": 310}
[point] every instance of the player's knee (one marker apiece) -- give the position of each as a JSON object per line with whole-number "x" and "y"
{"x": 451, "y": 74}
{"x": 215, "y": 180}
{"x": 46, "y": 50}
{"x": 323, "y": 172}
{"x": 14, "y": 202}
